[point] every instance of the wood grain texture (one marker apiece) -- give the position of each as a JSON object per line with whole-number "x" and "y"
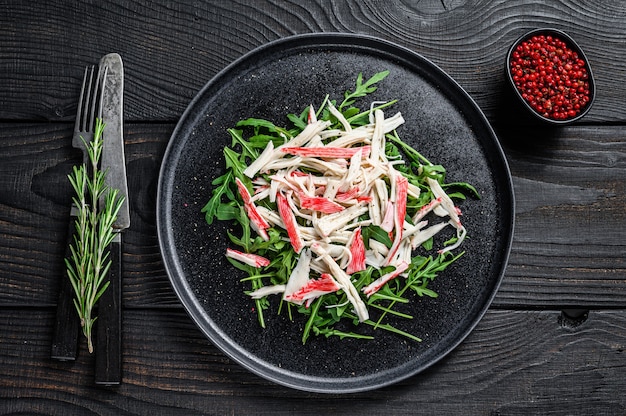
{"x": 503, "y": 367}
{"x": 569, "y": 187}
{"x": 171, "y": 49}
{"x": 568, "y": 248}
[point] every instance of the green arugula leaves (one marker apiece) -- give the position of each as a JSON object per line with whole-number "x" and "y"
{"x": 329, "y": 315}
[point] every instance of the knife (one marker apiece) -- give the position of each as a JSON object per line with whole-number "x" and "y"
{"x": 108, "y": 342}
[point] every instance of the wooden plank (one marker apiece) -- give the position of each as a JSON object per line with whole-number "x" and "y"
{"x": 569, "y": 237}
{"x": 568, "y": 246}
{"x": 164, "y": 71}
{"x": 515, "y": 362}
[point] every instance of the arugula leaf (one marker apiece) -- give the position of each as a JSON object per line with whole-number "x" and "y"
{"x": 329, "y": 332}
{"x": 312, "y": 318}
{"x": 226, "y": 212}
{"x": 362, "y": 89}
{"x": 211, "y": 208}
{"x": 461, "y": 185}
{"x": 260, "y": 124}
{"x": 412, "y": 154}
{"x": 378, "y": 234}
{"x": 233, "y": 162}
{"x": 298, "y": 121}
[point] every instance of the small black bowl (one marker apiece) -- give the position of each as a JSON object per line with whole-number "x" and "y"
{"x": 569, "y": 43}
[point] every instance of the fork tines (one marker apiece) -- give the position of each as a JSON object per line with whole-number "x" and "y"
{"x": 89, "y": 106}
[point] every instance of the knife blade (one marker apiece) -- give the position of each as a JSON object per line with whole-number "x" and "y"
{"x": 108, "y": 347}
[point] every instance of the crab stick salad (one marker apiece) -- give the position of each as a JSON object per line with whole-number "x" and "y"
{"x": 339, "y": 215}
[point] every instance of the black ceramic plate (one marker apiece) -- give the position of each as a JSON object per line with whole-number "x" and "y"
{"x": 284, "y": 77}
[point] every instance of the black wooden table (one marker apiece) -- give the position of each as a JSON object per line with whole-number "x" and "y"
{"x": 551, "y": 343}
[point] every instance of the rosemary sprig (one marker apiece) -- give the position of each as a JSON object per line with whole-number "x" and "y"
{"x": 89, "y": 260}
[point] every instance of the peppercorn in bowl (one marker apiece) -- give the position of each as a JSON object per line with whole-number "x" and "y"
{"x": 551, "y": 76}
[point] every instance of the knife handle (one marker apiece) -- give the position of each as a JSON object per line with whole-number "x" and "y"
{"x": 108, "y": 348}
{"x": 67, "y": 323}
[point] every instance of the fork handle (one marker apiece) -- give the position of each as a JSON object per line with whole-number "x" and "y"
{"x": 66, "y": 324}
{"x": 108, "y": 348}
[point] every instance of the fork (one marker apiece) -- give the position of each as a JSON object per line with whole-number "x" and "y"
{"x": 67, "y": 325}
